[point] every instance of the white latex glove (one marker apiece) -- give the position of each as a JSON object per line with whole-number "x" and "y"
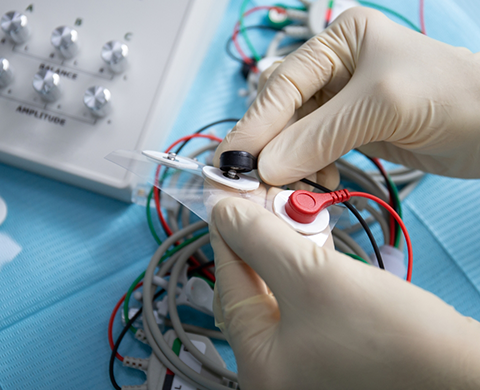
{"x": 329, "y": 322}
{"x": 366, "y": 82}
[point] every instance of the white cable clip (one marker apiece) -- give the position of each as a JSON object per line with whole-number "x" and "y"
{"x": 196, "y": 293}
{"x": 393, "y": 259}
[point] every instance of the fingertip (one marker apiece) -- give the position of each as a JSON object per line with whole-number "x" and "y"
{"x": 269, "y": 169}
{"x": 329, "y": 177}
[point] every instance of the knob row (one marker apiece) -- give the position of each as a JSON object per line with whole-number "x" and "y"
{"x": 65, "y": 40}
{"x": 47, "y": 84}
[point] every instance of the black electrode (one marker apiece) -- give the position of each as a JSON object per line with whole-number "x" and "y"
{"x": 237, "y": 161}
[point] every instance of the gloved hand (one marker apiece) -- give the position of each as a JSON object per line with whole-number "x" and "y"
{"x": 368, "y": 83}
{"x": 302, "y": 317}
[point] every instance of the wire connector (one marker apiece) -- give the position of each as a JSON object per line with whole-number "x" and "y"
{"x": 141, "y": 336}
{"x": 304, "y": 206}
{"x": 136, "y": 363}
{"x": 135, "y": 387}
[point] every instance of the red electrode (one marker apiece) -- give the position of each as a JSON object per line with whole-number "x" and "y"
{"x": 304, "y": 206}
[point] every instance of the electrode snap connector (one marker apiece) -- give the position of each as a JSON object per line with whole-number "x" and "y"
{"x": 318, "y": 224}
{"x": 233, "y": 164}
{"x": 304, "y": 206}
{"x": 237, "y": 161}
{"x": 171, "y": 160}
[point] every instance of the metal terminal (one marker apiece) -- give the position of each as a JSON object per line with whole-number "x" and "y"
{"x": 172, "y": 156}
{"x": 231, "y": 174}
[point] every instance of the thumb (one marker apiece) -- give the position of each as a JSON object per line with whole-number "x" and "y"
{"x": 244, "y": 308}
{"x": 260, "y": 245}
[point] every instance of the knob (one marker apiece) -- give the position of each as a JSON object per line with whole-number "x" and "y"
{"x": 47, "y": 84}
{"x": 6, "y": 74}
{"x": 15, "y": 25}
{"x": 115, "y": 53}
{"x": 97, "y": 100}
{"x": 65, "y": 40}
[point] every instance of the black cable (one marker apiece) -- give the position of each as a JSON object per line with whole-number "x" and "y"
{"x": 119, "y": 340}
{"x": 354, "y": 211}
{"x": 230, "y": 40}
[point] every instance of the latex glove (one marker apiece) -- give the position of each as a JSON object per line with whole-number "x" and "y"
{"x": 331, "y": 322}
{"x": 366, "y": 82}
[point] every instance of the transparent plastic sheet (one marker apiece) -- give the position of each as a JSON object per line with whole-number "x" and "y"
{"x": 190, "y": 188}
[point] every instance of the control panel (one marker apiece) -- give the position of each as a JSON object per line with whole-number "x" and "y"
{"x": 80, "y": 79}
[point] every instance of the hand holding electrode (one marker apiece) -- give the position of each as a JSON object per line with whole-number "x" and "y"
{"x": 367, "y": 83}
{"x": 329, "y": 322}
{"x": 301, "y": 316}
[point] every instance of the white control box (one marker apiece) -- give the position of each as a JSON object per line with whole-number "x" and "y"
{"x": 54, "y": 133}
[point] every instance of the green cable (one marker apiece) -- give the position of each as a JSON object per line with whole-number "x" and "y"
{"x": 244, "y": 33}
{"x": 149, "y": 219}
{"x": 364, "y": 3}
{"x": 391, "y": 12}
{"x": 356, "y": 257}
{"x": 398, "y": 235}
{"x": 140, "y": 277}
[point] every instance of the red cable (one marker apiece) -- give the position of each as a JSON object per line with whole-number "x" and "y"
{"x": 156, "y": 192}
{"x": 245, "y": 58}
{"x": 422, "y": 17}
{"x": 379, "y": 165}
{"x": 112, "y": 319}
{"x": 399, "y": 221}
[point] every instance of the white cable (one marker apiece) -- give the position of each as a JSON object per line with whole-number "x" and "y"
{"x": 154, "y": 336}
{"x": 301, "y": 32}
{"x": 274, "y": 44}
{"x": 297, "y": 15}
{"x": 177, "y": 325}
{"x": 213, "y": 334}
{"x": 357, "y": 249}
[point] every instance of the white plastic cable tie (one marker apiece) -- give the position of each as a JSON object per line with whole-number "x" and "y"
{"x": 196, "y": 293}
{"x": 200, "y": 294}
{"x": 393, "y": 259}
{"x": 162, "y": 307}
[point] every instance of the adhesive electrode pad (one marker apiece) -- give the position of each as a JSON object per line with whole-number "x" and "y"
{"x": 319, "y": 224}
{"x": 171, "y": 160}
{"x": 242, "y": 183}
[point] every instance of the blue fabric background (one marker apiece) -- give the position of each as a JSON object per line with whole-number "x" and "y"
{"x": 80, "y": 251}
